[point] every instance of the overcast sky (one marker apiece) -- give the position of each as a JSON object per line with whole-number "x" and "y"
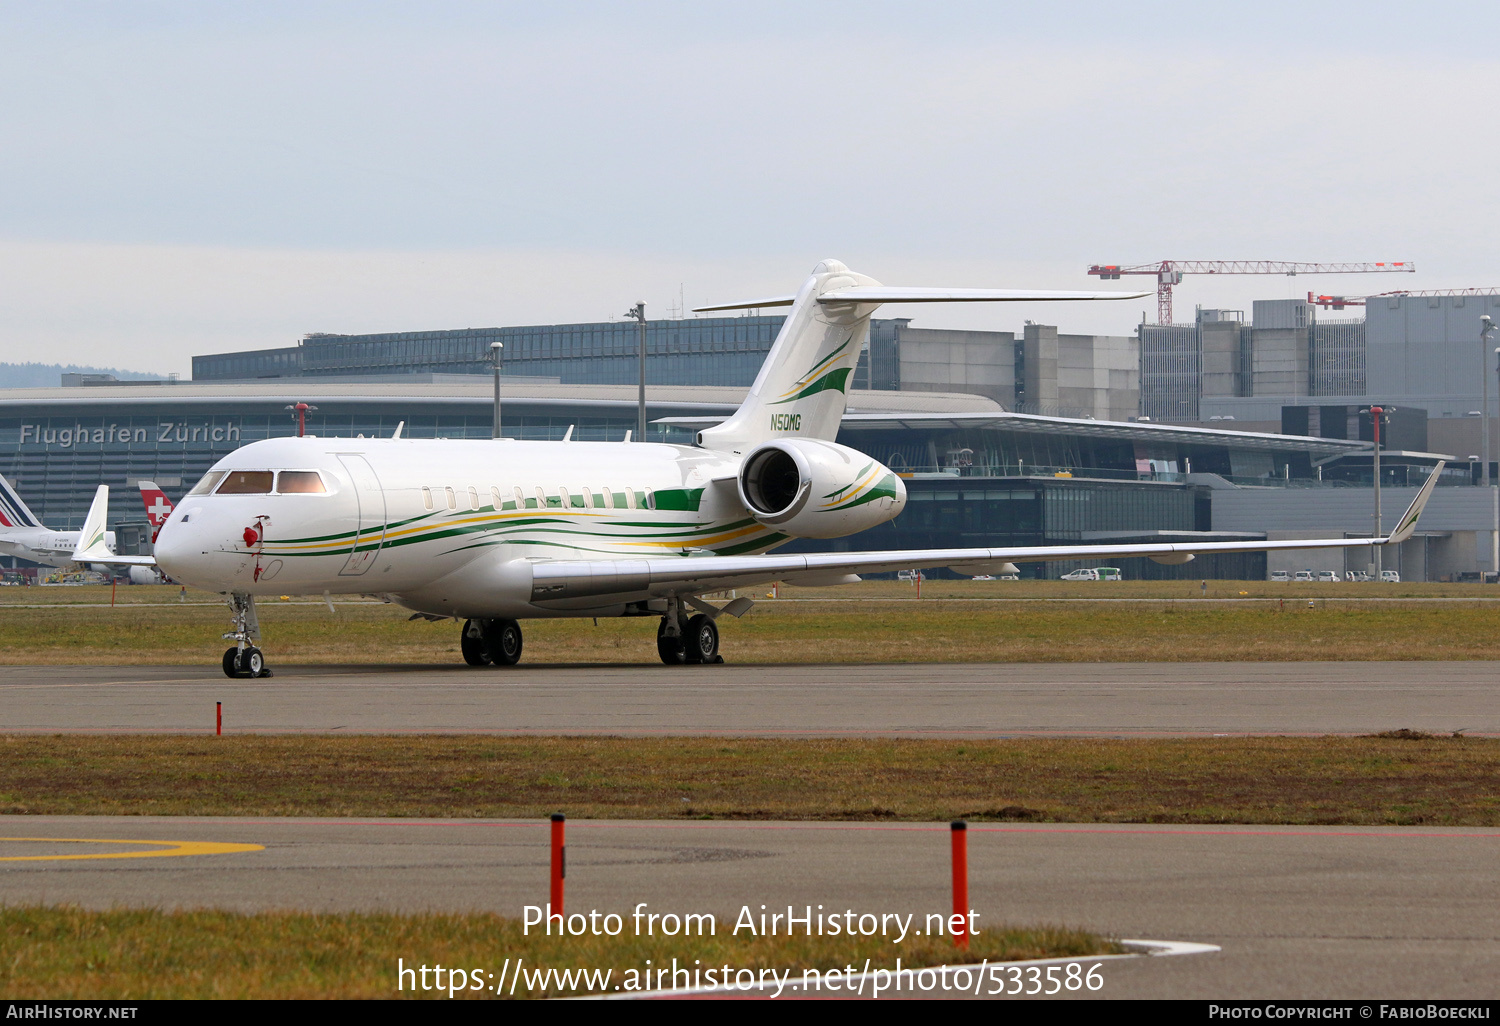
{"x": 180, "y": 178}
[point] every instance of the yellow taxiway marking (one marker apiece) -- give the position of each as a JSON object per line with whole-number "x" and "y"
{"x": 167, "y": 848}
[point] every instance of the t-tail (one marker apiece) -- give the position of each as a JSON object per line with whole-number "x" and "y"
{"x": 803, "y": 385}
{"x": 13, "y": 512}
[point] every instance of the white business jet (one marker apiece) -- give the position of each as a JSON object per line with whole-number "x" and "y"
{"x": 22, "y": 534}
{"x": 493, "y": 532}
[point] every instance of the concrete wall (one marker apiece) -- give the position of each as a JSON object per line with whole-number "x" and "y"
{"x": 1040, "y": 348}
{"x": 1099, "y": 374}
{"x": 1429, "y": 346}
{"x": 977, "y": 362}
{"x": 1221, "y": 357}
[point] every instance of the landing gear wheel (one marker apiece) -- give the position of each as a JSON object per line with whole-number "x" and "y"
{"x": 231, "y": 662}
{"x": 471, "y": 644}
{"x": 701, "y": 640}
{"x": 669, "y": 647}
{"x": 502, "y": 642}
{"x": 252, "y": 663}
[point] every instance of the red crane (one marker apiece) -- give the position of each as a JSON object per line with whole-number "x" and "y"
{"x": 1339, "y": 302}
{"x": 1170, "y": 272}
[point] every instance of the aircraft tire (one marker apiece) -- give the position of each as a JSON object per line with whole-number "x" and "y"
{"x": 471, "y": 644}
{"x": 231, "y": 661}
{"x": 701, "y": 640}
{"x": 503, "y": 642}
{"x": 252, "y": 662}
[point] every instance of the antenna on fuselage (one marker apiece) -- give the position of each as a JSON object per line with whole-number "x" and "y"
{"x": 627, "y": 434}
{"x": 397, "y": 433}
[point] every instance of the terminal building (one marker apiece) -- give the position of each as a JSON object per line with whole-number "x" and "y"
{"x": 976, "y": 473}
{"x": 1231, "y": 428}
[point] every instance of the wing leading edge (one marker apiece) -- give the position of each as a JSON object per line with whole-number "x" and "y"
{"x": 561, "y": 581}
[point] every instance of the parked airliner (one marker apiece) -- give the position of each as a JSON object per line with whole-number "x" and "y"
{"x": 494, "y": 532}
{"x": 24, "y": 536}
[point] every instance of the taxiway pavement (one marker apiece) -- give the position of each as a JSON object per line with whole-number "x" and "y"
{"x": 1299, "y": 911}
{"x": 895, "y": 700}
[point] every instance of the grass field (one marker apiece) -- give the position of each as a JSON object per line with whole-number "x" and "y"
{"x": 144, "y": 954}
{"x": 1396, "y": 779}
{"x": 868, "y": 623}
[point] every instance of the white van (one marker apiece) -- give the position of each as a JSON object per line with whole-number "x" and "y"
{"x": 1302, "y": 575}
{"x": 1390, "y": 575}
{"x": 1081, "y": 575}
{"x": 1281, "y": 575}
{"x": 1108, "y": 573}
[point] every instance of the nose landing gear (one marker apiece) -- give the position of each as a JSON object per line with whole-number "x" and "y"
{"x": 244, "y": 659}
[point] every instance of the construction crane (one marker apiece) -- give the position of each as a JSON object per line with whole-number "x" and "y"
{"x": 1339, "y": 302}
{"x": 1170, "y": 272}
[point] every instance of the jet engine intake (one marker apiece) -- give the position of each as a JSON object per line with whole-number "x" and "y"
{"x": 810, "y": 488}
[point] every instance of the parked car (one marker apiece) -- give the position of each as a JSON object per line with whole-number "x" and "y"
{"x": 1328, "y": 576}
{"x": 1010, "y": 577}
{"x": 983, "y": 577}
{"x": 1081, "y": 575}
{"x": 1281, "y": 575}
{"x": 910, "y": 575}
{"x": 1303, "y": 575}
{"x": 1357, "y": 575}
{"x": 1109, "y": 573}
{"x": 1390, "y": 575}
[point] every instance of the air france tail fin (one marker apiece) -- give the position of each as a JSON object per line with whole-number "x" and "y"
{"x": 91, "y": 547}
{"x": 803, "y": 385}
{"x": 13, "y": 512}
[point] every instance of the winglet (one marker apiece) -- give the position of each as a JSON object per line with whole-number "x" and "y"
{"x": 1407, "y": 525}
{"x": 91, "y": 547}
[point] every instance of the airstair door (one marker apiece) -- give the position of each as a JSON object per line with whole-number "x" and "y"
{"x": 370, "y": 534}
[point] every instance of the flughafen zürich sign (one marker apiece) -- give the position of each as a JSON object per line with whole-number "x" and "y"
{"x": 73, "y": 434}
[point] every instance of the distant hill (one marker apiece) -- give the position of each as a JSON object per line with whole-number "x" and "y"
{"x": 49, "y": 375}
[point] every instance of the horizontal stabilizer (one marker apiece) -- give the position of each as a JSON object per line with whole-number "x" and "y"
{"x": 748, "y": 304}
{"x": 905, "y": 294}
{"x": 908, "y": 294}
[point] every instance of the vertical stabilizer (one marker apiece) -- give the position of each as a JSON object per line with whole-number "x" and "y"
{"x": 802, "y": 387}
{"x": 13, "y": 512}
{"x": 91, "y": 541}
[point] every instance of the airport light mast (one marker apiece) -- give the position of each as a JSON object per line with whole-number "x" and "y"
{"x": 1170, "y": 272}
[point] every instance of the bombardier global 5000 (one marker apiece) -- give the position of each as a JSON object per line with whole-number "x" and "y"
{"x": 495, "y": 532}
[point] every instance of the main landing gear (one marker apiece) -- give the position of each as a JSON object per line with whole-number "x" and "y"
{"x": 691, "y": 640}
{"x": 244, "y": 659}
{"x": 491, "y": 642}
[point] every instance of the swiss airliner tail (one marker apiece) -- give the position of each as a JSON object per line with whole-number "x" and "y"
{"x": 158, "y": 506}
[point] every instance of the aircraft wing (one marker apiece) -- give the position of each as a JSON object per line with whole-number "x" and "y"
{"x": 559, "y": 581}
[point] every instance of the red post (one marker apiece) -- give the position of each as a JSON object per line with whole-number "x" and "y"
{"x": 961, "y": 883}
{"x": 112, "y": 582}
{"x": 218, "y": 718}
{"x": 559, "y": 863}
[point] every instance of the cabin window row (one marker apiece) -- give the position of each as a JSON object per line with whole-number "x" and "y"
{"x": 500, "y": 499}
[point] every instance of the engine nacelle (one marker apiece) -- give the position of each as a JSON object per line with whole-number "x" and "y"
{"x": 814, "y": 489}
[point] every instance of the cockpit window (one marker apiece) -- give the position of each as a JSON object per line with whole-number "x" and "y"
{"x": 206, "y": 484}
{"x": 299, "y": 482}
{"x": 246, "y": 482}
